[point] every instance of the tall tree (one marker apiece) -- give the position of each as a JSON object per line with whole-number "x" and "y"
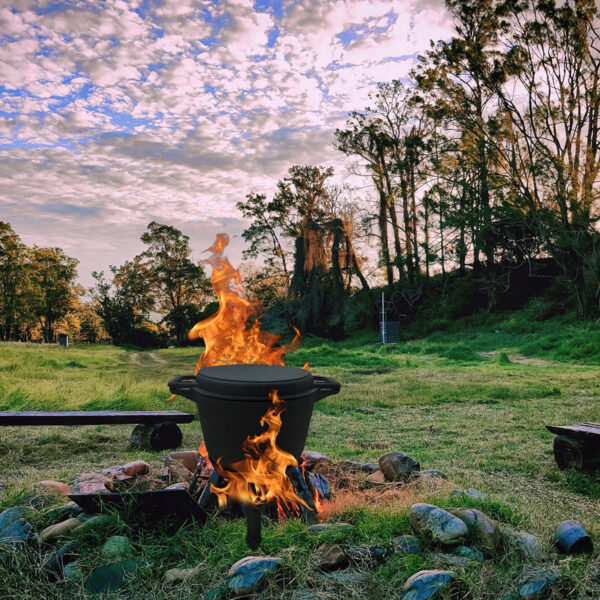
{"x": 13, "y": 261}
{"x": 113, "y": 303}
{"x": 179, "y": 283}
{"x": 552, "y": 52}
{"x": 53, "y": 276}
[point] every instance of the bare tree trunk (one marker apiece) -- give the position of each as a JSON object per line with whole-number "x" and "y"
{"x": 407, "y": 230}
{"x": 383, "y": 230}
{"x": 414, "y": 219}
{"x": 397, "y": 244}
{"x": 426, "y": 234}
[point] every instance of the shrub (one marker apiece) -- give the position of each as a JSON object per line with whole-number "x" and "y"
{"x": 460, "y": 352}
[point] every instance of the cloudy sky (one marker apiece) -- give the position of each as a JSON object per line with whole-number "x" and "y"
{"x": 114, "y": 113}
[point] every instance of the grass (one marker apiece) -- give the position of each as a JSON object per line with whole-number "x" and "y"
{"x": 470, "y": 400}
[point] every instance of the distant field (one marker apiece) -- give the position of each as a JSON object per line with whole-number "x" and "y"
{"x": 449, "y": 400}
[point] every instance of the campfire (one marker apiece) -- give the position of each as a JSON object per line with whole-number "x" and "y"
{"x": 254, "y": 410}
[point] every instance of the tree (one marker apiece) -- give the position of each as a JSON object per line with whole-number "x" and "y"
{"x": 177, "y": 281}
{"x": 113, "y": 304}
{"x": 13, "y": 260}
{"x": 308, "y": 223}
{"x": 53, "y": 275}
{"x": 311, "y": 214}
{"x": 552, "y": 52}
{"x": 264, "y": 232}
{"x": 390, "y": 140}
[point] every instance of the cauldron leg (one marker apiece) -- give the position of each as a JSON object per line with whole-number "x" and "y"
{"x": 253, "y": 525}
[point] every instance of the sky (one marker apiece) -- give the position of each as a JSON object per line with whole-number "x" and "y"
{"x": 115, "y": 113}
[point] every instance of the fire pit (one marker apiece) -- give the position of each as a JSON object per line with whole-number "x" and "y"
{"x": 254, "y": 411}
{"x": 234, "y": 403}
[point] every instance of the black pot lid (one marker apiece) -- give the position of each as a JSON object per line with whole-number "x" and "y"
{"x": 253, "y": 382}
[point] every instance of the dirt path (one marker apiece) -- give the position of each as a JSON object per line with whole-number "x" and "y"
{"x": 529, "y": 360}
{"x": 146, "y": 360}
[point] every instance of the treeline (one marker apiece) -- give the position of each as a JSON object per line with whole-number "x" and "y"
{"x": 149, "y": 301}
{"x": 37, "y": 292}
{"x": 483, "y": 164}
{"x": 481, "y": 174}
{"x": 163, "y": 280}
{"x": 488, "y": 157}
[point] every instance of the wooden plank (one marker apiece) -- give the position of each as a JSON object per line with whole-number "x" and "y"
{"x": 94, "y": 417}
{"x": 586, "y": 432}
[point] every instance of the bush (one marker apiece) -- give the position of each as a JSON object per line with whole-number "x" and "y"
{"x": 461, "y": 352}
{"x": 142, "y": 337}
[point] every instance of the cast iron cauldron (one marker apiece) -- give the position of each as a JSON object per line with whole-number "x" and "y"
{"x": 231, "y": 401}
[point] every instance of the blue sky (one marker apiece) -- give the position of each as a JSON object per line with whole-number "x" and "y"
{"x": 114, "y": 113}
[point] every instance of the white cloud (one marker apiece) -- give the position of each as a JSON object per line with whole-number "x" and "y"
{"x": 175, "y": 110}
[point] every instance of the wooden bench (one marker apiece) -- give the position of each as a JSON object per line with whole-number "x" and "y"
{"x": 155, "y": 430}
{"x": 577, "y": 446}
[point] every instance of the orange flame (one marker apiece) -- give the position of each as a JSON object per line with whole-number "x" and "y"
{"x": 233, "y": 334}
{"x": 260, "y": 476}
{"x": 203, "y": 451}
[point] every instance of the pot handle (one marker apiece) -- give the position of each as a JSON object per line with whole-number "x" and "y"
{"x": 325, "y": 386}
{"x": 182, "y": 384}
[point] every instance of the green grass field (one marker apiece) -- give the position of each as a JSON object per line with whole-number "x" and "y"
{"x": 450, "y": 400}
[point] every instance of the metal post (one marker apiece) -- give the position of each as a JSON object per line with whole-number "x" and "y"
{"x": 253, "y": 526}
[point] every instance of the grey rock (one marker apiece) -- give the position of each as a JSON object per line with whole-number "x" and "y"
{"x": 441, "y": 559}
{"x": 409, "y": 544}
{"x": 116, "y": 546}
{"x": 313, "y": 459}
{"x": 482, "y": 529}
{"x": 468, "y": 552}
{"x": 321, "y": 484}
{"x": 571, "y": 538}
{"x": 369, "y": 467}
{"x": 425, "y": 585}
{"x": 319, "y": 528}
{"x": 427, "y": 476}
{"x": 471, "y": 493}
{"x": 535, "y": 584}
{"x": 180, "y": 485}
{"x": 438, "y": 525}
{"x": 523, "y": 543}
{"x": 10, "y": 515}
{"x": 58, "y": 561}
{"x": 397, "y": 466}
{"x": 92, "y": 483}
{"x": 249, "y": 574}
{"x": 111, "y": 577}
{"x": 18, "y": 532}
{"x": 72, "y": 571}
{"x": 475, "y": 494}
{"x": 331, "y": 558}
